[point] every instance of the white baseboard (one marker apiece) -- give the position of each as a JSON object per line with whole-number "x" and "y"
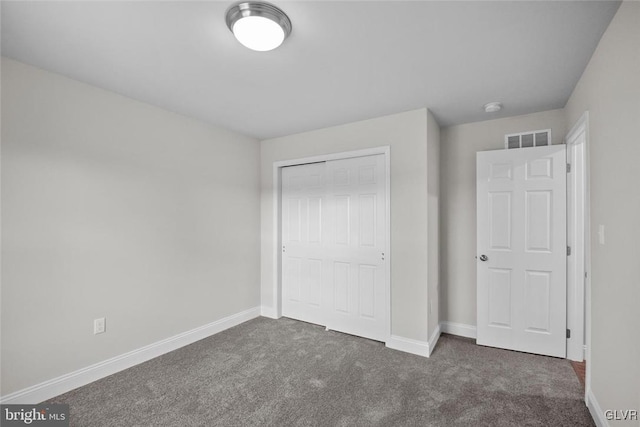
{"x": 269, "y": 312}
{"x": 460, "y": 329}
{"x": 596, "y": 410}
{"x": 62, "y": 384}
{"x": 408, "y": 345}
{"x": 435, "y": 336}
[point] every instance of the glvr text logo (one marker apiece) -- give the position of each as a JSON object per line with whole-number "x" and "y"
{"x": 621, "y": 414}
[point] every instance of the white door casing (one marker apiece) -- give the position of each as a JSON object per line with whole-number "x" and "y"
{"x": 576, "y": 238}
{"x": 334, "y": 245}
{"x": 521, "y": 230}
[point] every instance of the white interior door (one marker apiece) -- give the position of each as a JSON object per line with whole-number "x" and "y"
{"x": 521, "y": 249}
{"x": 334, "y": 244}
{"x": 356, "y": 244}
{"x": 304, "y": 247}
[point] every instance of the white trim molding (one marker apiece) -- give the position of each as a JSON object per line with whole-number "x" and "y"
{"x": 269, "y": 312}
{"x": 64, "y": 383}
{"x": 596, "y": 411}
{"x": 460, "y": 329}
{"x": 408, "y": 345}
{"x": 577, "y": 235}
{"x": 433, "y": 340}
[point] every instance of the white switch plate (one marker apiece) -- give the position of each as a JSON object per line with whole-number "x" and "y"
{"x": 99, "y": 326}
{"x": 601, "y": 234}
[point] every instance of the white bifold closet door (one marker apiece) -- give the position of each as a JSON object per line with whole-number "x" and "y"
{"x": 334, "y": 244}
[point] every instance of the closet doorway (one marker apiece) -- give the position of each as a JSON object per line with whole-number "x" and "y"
{"x": 334, "y": 257}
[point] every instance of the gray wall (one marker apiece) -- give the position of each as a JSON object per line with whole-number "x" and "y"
{"x": 458, "y": 203}
{"x": 406, "y": 134}
{"x": 111, "y": 207}
{"x": 610, "y": 90}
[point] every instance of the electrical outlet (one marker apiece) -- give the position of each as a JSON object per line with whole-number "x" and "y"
{"x": 99, "y": 326}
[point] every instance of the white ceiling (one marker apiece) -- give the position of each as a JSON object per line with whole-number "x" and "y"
{"x": 344, "y": 61}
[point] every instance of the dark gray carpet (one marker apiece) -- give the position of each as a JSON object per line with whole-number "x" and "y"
{"x": 283, "y": 372}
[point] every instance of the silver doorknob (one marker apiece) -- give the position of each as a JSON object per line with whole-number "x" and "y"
{"x": 483, "y": 257}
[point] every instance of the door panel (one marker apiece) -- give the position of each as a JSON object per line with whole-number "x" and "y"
{"x": 361, "y": 181}
{"x": 341, "y": 286}
{"x": 303, "y": 237}
{"x": 537, "y": 293}
{"x": 315, "y": 220}
{"x": 341, "y": 220}
{"x": 295, "y": 217}
{"x": 500, "y": 220}
{"x": 538, "y": 221}
{"x": 366, "y": 291}
{"x": 312, "y": 290}
{"x": 521, "y": 200}
{"x": 367, "y": 221}
{"x": 293, "y": 277}
{"x": 500, "y": 297}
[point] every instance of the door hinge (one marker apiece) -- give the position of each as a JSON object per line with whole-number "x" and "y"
{"x": 568, "y": 333}
{"x": 568, "y": 167}
{"x": 568, "y": 250}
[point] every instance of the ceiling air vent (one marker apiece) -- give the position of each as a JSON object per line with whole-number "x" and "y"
{"x": 534, "y": 138}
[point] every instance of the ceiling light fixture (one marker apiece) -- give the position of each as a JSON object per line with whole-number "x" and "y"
{"x": 258, "y": 25}
{"x": 492, "y": 107}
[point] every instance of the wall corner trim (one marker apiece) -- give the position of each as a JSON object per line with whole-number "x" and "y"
{"x": 408, "y": 345}
{"x": 269, "y": 312}
{"x": 64, "y": 383}
{"x": 596, "y": 411}
{"x": 459, "y": 329}
{"x": 434, "y": 339}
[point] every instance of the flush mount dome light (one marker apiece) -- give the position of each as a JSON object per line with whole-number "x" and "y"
{"x": 258, "y": 25}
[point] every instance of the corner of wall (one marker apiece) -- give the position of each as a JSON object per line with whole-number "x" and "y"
{"x": 433, "y": 223}
{"x": 595, "y": 410}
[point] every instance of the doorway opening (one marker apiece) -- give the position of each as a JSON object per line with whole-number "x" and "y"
{"x": 577, "y": 242}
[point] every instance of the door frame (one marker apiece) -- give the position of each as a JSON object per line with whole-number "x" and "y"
{"x": 277, "y": 218}
{"x": 581, "y": 289}
{"x": 577, "y": 212}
